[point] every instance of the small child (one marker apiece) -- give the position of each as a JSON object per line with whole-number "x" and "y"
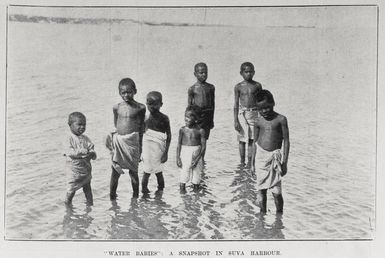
{"x": 202, "y": 94}
{"x": 190, "y": 149}
{"x": 270, "y": 164}
{"x": 79, "y": 151}
{"x": 156, "y": 141}
{"x": 126, "y": 142}
{"x": 245, "y": 109}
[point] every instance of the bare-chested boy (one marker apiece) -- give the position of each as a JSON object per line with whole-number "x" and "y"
{"x": 190, "y": 149}
{"x": 127, "y": 141}
{"x": 245, "y": 109}
{"x": 270, "y": 162}
{"x": 202, "y": 94}
{"x": 156, "y": 141}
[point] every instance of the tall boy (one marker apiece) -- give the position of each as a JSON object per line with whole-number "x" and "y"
{"x": 270, "y": 163}
{"x": 245, "y": 109}
{"x": 156, "y": 141}
{"x": 127, "y": 141}
{"x": 202, "y": 95}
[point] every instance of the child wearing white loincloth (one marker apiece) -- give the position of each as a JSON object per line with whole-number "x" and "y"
{"x": 79, "y": 151}
{"x": 190, "y": 148}
{"x": 156, "y": 141}
{"x": 270, "y": 164}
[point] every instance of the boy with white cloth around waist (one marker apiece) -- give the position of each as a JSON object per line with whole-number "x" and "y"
{"x": 270, "y": 163}
{"x": 156, "y": 141}
{"x": 190, "y": 149}
{"x": 126, "y": 143}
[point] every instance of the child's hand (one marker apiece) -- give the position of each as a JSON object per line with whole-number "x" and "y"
{"x": 179, "y": 162}
{"x": 194, "y": 163}
{"x": 91, "y": 155}
{"x": 82, "y": 151}
{"x": 164, "y": 157}
{"x": 237, "y": 126}
{"x": 284, "y": 169}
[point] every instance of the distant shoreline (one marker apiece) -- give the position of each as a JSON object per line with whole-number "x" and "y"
{"x": 96, "y": 21}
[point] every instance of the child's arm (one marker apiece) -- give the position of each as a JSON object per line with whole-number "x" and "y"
{"x": 91, "y": 152}
{"x": 202, "y": 150}
{"x": 190, "y": 97}
{"x": 212, "y": 118}
{"x": 168, "y": 141}
{"x": 75, "y": 154}
{"x": 286, "y": 145}
{"x": 142, "y": 116}
{"x": 236, "y": 109}
{"x": 115, "y": 111}
{"x": 254, "y": 147}
{"x": 178, "y": 148}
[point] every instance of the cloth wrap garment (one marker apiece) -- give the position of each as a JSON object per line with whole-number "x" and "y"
{"x": 268, "y": 168}
{"x": 247, "y": 118}
{"x": 154, "y": 145}
{"x": 78, "y": 171}
{"x": 124, "y": 150}
{"x": 187, "y": 173}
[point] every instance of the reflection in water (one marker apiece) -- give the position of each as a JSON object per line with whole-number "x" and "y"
{"x": 76, "y": 225}
{"x": 126, "y": 224}
{"x": 143, "y": 220}
{"x": 196, "y": 216}
{"x": 248, "y": 220}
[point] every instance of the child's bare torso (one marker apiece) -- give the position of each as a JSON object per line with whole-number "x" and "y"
{"x": 270, "y": 135}
{"x": 158, "y": 122}
{"x": 202, "y": 95}
{"x": 191, "y": 136}
{"x": 129, "y": 117}
{"x": 247, "y": 93}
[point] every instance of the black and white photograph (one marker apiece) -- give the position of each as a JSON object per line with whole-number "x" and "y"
{"x": 191, "y": 124}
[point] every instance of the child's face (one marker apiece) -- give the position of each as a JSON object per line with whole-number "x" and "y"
{"x": 78, "y": 126}
{"x": 201, "y": 73}
{"x": 189, "y": 119}
{"x": 247, "y": 73}
{"x": 153, "y": 104}
{"x": 127, "y": 92}
{"x": 266, "y": 110}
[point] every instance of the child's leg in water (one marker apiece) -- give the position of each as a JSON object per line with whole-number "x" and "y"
{"x": 134, "y": 183}
{"x": 69, "y": 197}
{"x": 262, "y": 199}
{"x": 145, "y": 178}
{"x": 182, "y": 187}
{"x": 278, "y": 199}
{"x": 242, "y": 152}
{"x": 160, "y": 179}
{"x": 88, "y": 193}
{"x": 196, "y": 187}
{"x": 249, "y": 151}
{"x": 114, "y": 183}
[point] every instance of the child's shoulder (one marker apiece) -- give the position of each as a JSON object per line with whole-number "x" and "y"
{"x": 281, "y": 117}
{"x": 117, "y": 105}
{"x": 164, "y": 117}
{"x": 141, "y": 105}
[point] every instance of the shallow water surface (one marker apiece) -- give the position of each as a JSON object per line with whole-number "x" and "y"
{"x": 317, "y": 73}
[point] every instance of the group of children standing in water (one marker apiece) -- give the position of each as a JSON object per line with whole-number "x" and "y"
{"x": 138, "y": 137}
